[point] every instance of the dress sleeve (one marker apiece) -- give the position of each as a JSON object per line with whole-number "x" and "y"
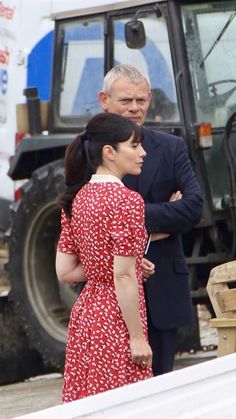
{"x": 66, "y": 243}
{"x": 127, "y": 225}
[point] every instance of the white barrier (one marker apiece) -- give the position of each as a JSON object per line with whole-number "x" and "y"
{"x": 203, "y": 391}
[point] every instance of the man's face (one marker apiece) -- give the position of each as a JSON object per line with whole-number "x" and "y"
{"x": 127, "y": 99}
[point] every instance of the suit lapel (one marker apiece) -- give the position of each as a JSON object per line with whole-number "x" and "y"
{"x": 151, "y": 162}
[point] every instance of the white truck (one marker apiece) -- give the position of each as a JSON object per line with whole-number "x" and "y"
{"x": 53, "y": 56}
{"x": 26, "y": 45}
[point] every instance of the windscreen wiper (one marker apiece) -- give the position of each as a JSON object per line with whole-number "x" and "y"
{"x": 218, "y": 38}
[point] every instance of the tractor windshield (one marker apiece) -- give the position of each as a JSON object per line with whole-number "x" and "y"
{"x": 210, "y": 32}
{"x": 83, "y": 54}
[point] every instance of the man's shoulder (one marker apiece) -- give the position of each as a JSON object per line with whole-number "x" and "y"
{"x": 161, "y": 137}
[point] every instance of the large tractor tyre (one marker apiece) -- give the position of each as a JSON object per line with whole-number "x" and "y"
{"x": 42, "y": 304}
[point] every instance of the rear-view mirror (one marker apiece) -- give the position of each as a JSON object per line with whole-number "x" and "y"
{"x": 135, "y": 37}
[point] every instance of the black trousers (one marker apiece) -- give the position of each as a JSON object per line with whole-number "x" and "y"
{"x": 163, "y": 344}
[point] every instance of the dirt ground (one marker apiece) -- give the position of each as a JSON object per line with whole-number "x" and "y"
{"x": 29, "y": 396}
{"x": 44, "y": 391}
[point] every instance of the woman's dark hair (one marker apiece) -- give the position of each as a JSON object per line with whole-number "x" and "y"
{"x": 84, "y": 154}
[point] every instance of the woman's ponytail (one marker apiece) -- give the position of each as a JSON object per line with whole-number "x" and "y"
{"x": 77, "y": 171}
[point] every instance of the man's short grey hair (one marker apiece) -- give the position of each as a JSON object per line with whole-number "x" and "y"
{"x": 124, "y": 71}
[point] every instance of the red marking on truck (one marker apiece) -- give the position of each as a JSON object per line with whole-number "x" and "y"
{"x": 4, "y": 56}
{"x": 6, "y": 12}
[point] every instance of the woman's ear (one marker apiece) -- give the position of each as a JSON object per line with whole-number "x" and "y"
{"x": 108, "y": 152}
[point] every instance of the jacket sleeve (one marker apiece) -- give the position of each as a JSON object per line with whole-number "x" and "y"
{"x": 179, "y": 216}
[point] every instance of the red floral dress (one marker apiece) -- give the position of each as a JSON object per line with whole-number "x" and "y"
{"x": 107, "y": 220}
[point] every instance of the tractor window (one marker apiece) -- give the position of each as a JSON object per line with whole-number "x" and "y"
{"x": 155, "y": 60}
{"x": 83, "y": 52}
{"x": 210, "y": 32}
{"x": 82, "y": 69}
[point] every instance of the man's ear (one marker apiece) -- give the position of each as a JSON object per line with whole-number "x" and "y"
{"x": 102, "y": 97}
{"x": 108, "y": 152}
{"x": 149, "y": 97}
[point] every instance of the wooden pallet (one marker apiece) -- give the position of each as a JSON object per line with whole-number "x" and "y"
{"x": 221, "y": 288}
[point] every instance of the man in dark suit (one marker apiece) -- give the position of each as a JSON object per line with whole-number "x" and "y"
{"x": 173, "y": 205}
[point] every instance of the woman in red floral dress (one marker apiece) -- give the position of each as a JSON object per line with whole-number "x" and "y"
{"x": 103, "y": 240}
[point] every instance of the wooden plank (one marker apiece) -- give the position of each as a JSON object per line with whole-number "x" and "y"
{"x": 227, "y": 341}
{"x": 217, "y": 285}
{"x": 223, "y": 273}
{"x": 224, "y": 322}
{"x": 226, "y": 329}
{"x": 224, "y": 280}
{"x": 212, "y": 290}
{"x": 227, "y": 301}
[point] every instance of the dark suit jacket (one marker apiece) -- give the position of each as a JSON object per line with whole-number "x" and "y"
{"x": 166, "y": 169}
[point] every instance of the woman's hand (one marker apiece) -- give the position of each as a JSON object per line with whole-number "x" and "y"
{"x": 148, "y": 268}
{"x": 141, "y": 352}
